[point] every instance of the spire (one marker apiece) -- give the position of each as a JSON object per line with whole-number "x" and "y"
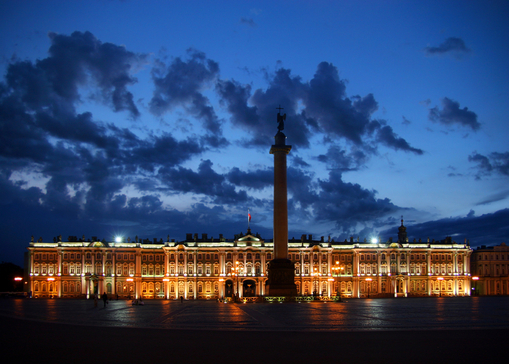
{"x": 402, "y": 235}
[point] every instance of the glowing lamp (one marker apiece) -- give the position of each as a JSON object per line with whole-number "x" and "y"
{"x": 374, "y": 240}
{"x": 18, "y": 278}
{"x": 118, "y": 239}
{"x": 475, "y": 278}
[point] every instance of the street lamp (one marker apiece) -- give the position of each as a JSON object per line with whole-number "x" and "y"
{"x": 237, "y": 275}
{"x": 368, "y": 281}
{"x": 476, "y": 292}
{"x": 440, "y": 279}
{"x": 315, "y": 274}
{"x": 335, "y": 270}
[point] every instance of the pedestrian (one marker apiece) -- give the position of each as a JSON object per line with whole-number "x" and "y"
{"x": 181, "y": 299}
{"x": 105, "y": 299}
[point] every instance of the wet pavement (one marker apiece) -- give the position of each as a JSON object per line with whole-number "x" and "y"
{"x": 417, "y": 330}
{"x": 449, "y": 313}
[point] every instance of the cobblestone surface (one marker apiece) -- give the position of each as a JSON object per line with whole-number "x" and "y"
{"x": 352, "y": 315}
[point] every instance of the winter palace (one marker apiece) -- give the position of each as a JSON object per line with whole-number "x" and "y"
{"x": 203, "y": 267}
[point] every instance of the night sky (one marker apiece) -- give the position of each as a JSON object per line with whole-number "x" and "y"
{"x": 156, "y": 118}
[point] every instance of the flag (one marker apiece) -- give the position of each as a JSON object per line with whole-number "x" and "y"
{"x": 248, "y": 216}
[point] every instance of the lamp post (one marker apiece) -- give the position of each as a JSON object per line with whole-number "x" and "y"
{"x": 315, "y": 285}
{"x": 338, "y": 271}
{"x": 440, "y": 279}
{"x": 237, "y": 276}
{"x": 476, "y": 292}
{"x": 368, "y": 281}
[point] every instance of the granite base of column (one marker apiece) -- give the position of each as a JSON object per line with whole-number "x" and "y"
{"x": 281, "y": 282}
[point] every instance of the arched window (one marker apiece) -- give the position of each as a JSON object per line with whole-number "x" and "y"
{"x": 249, "y": 256}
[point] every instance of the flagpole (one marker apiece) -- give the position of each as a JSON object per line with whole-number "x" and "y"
{"x": 248, "y": 219}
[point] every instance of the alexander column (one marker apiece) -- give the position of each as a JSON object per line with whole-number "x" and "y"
{"x": 281, "y": 269}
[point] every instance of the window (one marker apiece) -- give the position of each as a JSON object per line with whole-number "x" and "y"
{"x": 269, "y": 256}
{"x": 151, "y": 257}
{"x": 207, "y": 257}
{"x": 249, "y": 256}
{"x": 190, "y": 257}
{"x": 98, "y": 256}
{"x": 216, "y": 256}
{"x": 229, "y": 256}
{"x": 241, "y": 256}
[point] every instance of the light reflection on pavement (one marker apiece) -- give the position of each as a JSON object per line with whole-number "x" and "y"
{"x": 352, "y": 315}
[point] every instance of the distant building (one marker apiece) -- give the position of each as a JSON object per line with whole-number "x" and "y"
{"x": 490, "y": 270}
{"x": 208, "y": 268}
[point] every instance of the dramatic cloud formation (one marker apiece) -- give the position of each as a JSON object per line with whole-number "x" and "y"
{"x": 452, "y": 114}
{"x": 318, "y": 106}
{"x": 99, "y": 139}
{"x": 495, "y": 162}
{"x": 451, "y": 45}
{"x": 181, "y": 83}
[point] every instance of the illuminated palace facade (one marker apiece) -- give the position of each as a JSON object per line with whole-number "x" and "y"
{"x": 208, "y": 268}
{"x": 490, "y": 270}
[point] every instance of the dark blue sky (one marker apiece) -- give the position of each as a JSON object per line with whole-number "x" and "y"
{"x": 156, "y": 118}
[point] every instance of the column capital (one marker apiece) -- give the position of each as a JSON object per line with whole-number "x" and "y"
{"x": 280, "y": 149}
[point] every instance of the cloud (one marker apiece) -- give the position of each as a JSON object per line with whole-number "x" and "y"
{"x": 452, "y": 114}
{"x": 338, "y": 159}
{"x": 180, "y": 83}
{"x": 487, "y": 229}
{"x": 386, "y": 136}
{"x": 257, "y": 179}
{"x": 451, "y": 45}
{"x": 206, "y": 182}
{"x": 248, "y": 21}
{"x": 320, "y": 106}
{"x": 494, "y": 162}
